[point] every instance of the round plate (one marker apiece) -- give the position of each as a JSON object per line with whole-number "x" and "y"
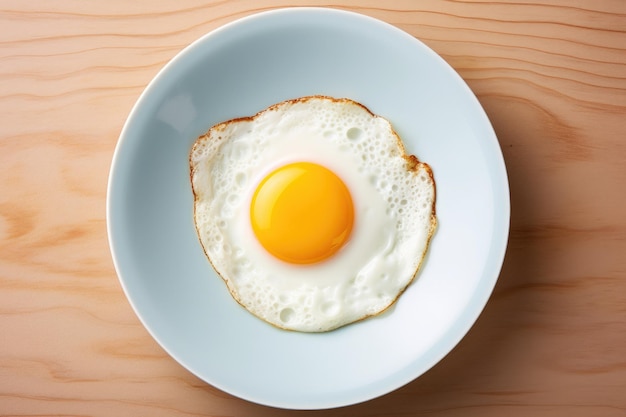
{"x": 238, "y": 70}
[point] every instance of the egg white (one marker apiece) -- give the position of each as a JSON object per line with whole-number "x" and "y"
{"x": 393, "y": 197}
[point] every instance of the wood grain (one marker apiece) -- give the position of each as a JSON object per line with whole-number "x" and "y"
{"x": 552, "y": 78}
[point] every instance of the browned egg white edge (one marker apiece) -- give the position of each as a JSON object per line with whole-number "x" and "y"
{"x": 413, "y": 165}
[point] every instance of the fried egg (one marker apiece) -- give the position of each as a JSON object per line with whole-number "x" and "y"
{"x": 312, "y": 212}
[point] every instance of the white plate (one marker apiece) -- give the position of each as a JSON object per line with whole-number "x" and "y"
{"x": 238, "y": 70}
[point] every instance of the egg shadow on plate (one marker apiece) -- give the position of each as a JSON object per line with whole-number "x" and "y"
{"x": 497, "y": 338}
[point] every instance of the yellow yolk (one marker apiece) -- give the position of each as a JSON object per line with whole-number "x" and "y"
{"x": 302, "y": 213}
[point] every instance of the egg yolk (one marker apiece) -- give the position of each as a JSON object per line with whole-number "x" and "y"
{"x": 302, "y": 213}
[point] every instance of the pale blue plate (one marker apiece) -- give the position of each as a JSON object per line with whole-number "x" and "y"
{"x": 238, "y": 70}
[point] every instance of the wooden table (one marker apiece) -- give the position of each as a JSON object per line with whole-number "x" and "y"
{"x": 552, "y": 78}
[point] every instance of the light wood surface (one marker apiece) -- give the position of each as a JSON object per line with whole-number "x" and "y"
{"x": 552, "y": 78}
